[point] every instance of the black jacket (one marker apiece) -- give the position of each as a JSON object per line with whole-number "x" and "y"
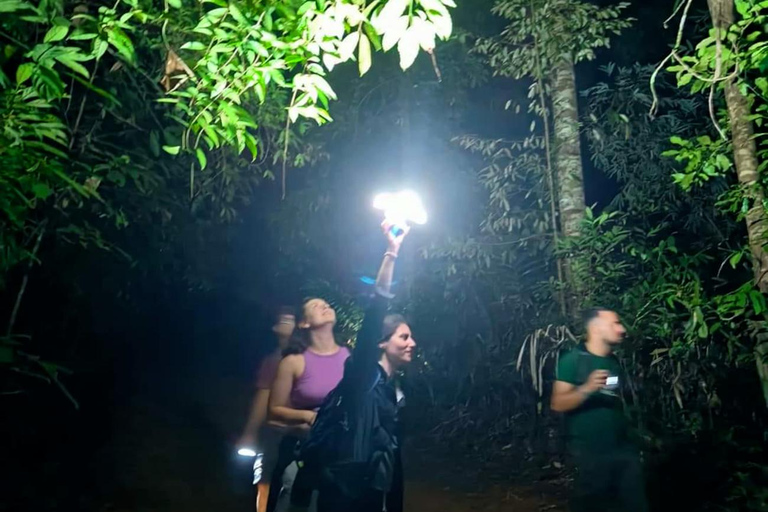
{"x": 372, "y": 398}
{"x": 354, "y": 442}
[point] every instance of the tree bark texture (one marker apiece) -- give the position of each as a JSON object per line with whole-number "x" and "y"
{"x": 568, "y": 169}
{"x": 570, "y": 176}
{"x": 745, "y": 160}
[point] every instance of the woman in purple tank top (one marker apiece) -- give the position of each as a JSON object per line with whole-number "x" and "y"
{"x": 312, "y": 367}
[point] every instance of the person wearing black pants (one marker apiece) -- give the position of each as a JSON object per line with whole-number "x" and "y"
{"x": 360, "y": 469}
{"x": 588, "y": 389}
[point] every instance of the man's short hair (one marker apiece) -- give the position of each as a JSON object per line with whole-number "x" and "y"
{"x": 284, "y": 311}
{"x": 590, "y": 314}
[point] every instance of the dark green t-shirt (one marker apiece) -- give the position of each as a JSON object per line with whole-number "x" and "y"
{"x": 598, "y": 425}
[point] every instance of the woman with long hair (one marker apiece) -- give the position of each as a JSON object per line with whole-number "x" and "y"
{"x": 312, "y": 366}
{"x": 354, "y": 450}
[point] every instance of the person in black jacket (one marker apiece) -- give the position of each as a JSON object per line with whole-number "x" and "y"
{"x": 359, "y": 467}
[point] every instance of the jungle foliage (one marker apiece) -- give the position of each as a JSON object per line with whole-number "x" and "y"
{"x": 163, "y": 122}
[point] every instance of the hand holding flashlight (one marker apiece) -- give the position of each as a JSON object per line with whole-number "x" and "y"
{"x": 395, "y": 235}
{"x": 400, "y": 209}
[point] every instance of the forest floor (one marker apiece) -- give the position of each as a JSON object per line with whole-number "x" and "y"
{"x": 432, "y": 497}
{"x": 439, "y": 482}
{"x": 163, "y": 457}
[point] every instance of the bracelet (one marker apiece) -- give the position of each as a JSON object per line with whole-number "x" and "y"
{"x": 391, "y": 255}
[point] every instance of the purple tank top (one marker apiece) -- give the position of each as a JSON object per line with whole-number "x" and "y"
{"x": 321, "y": 374}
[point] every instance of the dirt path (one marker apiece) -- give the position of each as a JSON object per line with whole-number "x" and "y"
{"x": 424, "y": 497}
{"x": 438, "y": 482}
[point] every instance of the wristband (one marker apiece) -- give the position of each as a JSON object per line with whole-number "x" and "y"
{"x": 391, "y": 255}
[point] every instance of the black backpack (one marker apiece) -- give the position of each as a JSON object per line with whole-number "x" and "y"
{"x": 331, "y": 438}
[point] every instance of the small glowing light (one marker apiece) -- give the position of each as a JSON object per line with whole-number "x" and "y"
{"x": 246, "y": 452}
{"x": 401, "y": 207}
{"x": 370, "y": 280}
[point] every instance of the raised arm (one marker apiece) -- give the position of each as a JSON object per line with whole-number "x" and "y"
{"x": 366, "y": 355}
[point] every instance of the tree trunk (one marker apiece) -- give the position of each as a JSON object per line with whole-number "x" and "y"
{"x": 570, "y": 176}
{"x": 745, "y": 160}
{"x": 568, "y": 169}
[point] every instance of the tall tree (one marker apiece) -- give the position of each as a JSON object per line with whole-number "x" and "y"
{"x": 727, "y": 62}
{"x": 746, "y": 163}
{"x": 744, "y": 147}
{"x": 543, "y": 42}
{"x": 567, "y": 149}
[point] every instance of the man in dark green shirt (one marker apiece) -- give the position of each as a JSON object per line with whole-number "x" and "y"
{"x": 588, "y": 390}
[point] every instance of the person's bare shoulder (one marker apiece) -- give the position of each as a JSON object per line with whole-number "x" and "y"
{"x": 293, "y": 362}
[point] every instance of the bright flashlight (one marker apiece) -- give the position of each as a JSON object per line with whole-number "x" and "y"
{"x": 246, "y": 452}
{"x": 401, "y": 208}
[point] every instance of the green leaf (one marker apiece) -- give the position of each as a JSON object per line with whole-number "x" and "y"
{"x": 83, "y": 36}
{"x": 373, "y": 36}
{"x": 408, "y": 48}
{"x": 322, "y": 85}
{"x": 41, "y": 190}
{"x": 330, "y": 60}
{"x": 56, "y": 33}
{"x": 201, "y": 158}
{"x": 193, "y": 45}
{"x": 77, "y": 187}
{"x": 268, "y": 21}
{"x": 23, "y": 72}
{"x": 394, "y": 32}
{"x": 305, "y": 7}
{"x": 99, "y": 48}
{"x": 101, "y": 92}
{"x": 13, "y": 5}
{"x": 219, "y": 88}
{"x": 52, "y": 80}
{"x": 252, "y": 145}
{"x": 176, "y": 4}
{"x": 348, "y": 46}
{"x": 443, "y": 25}
{"x": 392, "y": 10}
{"x": 364, "y": 55}
{"x": 758, "y": 301}
{"x": 154, "y": 143}
{"x": 46, "y": 147}
{"x": 122, "y": 43}
{"x": 237, "y": 14}
{"x": 72, "y": 64}
{"x": 426, "y": 34}
{"x": 762, "y": 84}
{"x": 736, "y": 258}
{"x": 172, "y": 150}
{"x": 722, "y": 162}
